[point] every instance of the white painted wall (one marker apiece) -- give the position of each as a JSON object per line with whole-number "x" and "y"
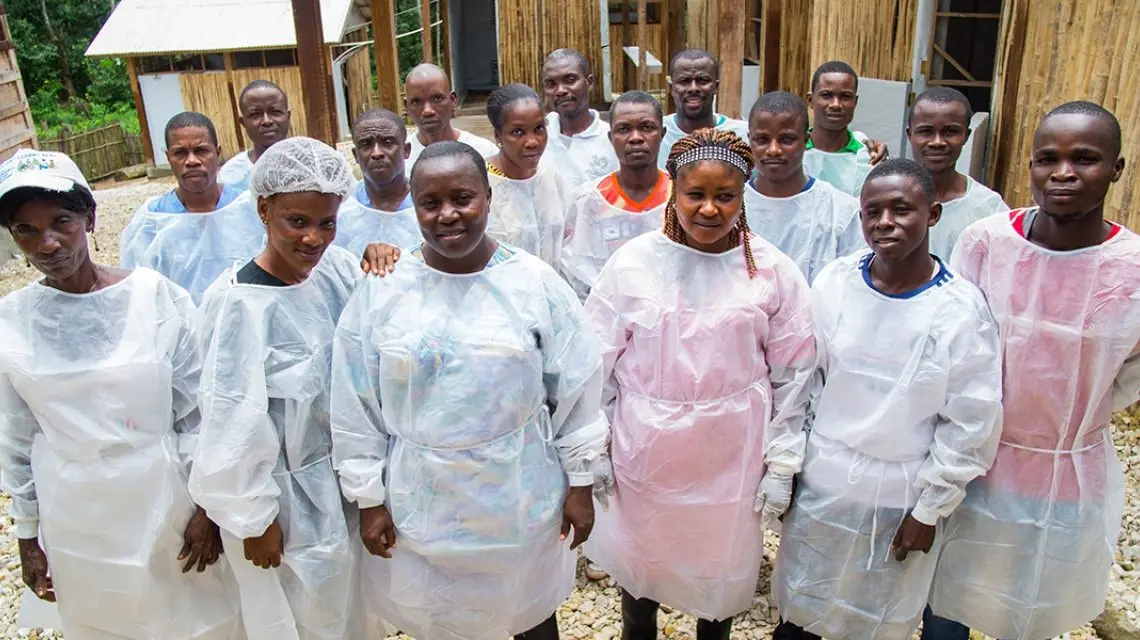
{"x": 162, "y": 99}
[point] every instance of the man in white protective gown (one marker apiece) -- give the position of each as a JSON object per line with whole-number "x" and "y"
{"x": 575, "y": 129}
{"x": 265, "y": 116}
{"x": 467, "y": 423}
{"x": 202, "y": 227}
{"x": 938, "y": 128}
{"x": 694, "y": 78}
{"x": 1028, "y": 554}
{"x": 906, "y": 416}
{"x": 431, "y": 103}
{"x": 708, "y": 352}
{"x": 379, "y": 209}
{"x": 835, "y": 153}
{"x": 808, "y": 219}
{"x": 618, "y": 207}
{"x": 528, "y": 210}
{"x": 99, "y": 371}
{"x": 265, "y": 469}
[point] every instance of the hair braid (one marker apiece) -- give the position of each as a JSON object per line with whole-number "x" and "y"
{"x": 739, "y": 235}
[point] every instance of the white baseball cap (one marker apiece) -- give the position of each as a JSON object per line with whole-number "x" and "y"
{"x": 49, "y": 170}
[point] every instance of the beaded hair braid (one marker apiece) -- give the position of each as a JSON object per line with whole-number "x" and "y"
{"x": 728, "y": 145}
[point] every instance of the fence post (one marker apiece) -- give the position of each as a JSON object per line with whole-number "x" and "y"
{"x": 64, "y": 135}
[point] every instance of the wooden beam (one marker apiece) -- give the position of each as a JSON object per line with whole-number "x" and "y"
{"x": 316, "y": 74}
{"x": 675, "y": 24}
{"x": 140, "y": 109}
{"x": 954, "y": 63}
{"x": 770, "y": 45}
{"x": 387, "y": 56}
{"x": 234, "y": 106}
{"x": 425, "y": 29}
{"x": 730, "y": 33}
{"x": 642, "y": 46}
{"x": 445, "y": 34}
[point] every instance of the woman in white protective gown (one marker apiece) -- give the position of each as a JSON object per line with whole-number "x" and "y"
{"x": 466, "y": 422}
{"x": 98, "y": 415}
{"x": 265, "y": 470}
{"x": 528, "y": 209}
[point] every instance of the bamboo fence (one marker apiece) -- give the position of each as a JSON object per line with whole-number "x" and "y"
{"x": 529, "y": 29}
{"x": 795, "y": 46}
{"x": 658, "y": 37}
{"x": 1053, "y": 51}
{"x": 876, "y": 37}
{"x": 98, "y": 153}
{"x": 208, "y": 93}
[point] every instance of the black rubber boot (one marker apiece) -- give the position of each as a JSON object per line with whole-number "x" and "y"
{"x": 547, "y": 630}
{"x": 714, "y": 629}
{"x": 638, "y": 618}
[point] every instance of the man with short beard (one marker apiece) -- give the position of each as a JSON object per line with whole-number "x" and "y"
{"x": 572, "y": 125}
{"x": 694, "y": 77}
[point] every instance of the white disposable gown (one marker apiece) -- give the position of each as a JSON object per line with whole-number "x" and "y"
{"x": 591, "y": 151}
{"x": 358, "y": 226}
{"x": 465, "y": 404}
{"x": 485, "y": 147}
{"x": 98, "y": 419}
{"x": 812, "y": 227}
{"x": 707, "y": 374}
{"x": 845, "y": 170}
{"x": 978, "y": 202}
{"x": 265, "y": 450}
{"x": 595, "y": 229}
{"x": 673, "y": 133}
{"x": 192, "y": 249}
{"x": 1028, "y": 554}
{"x": 905, "y": 419}
{"x": 237, "y": 171}
{"x": 531, "y": 214}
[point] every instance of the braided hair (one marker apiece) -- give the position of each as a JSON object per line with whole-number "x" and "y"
{"x": 736, "y": 153}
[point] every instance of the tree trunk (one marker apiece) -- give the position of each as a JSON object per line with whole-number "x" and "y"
{"x": 64, "y": 62}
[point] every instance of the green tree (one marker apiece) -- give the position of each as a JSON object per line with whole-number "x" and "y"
{"x": 51, "y": 37}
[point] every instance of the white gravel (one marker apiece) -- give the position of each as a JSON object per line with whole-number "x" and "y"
{"x": 593, "y": 610}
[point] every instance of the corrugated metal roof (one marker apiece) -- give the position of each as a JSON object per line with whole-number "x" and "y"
{"x": 156, "y": 27}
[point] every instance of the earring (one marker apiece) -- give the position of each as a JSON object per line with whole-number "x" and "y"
{"x": 94, "y": 239}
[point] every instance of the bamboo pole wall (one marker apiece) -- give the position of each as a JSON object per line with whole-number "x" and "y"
{"x": 289, "y": 79}
{"x": 795, "y": 45}
{"x": 658, "y": 37}
{"x": 1053, "y": 51}
{"x": 529, "y": 29}
{"x": 209, "y": 94}
{"x": 876, "y": 37}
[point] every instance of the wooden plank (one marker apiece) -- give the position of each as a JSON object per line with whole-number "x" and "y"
{"x": 9, "y": 76}
{"x": 12, "y": 109}
{"x": 140, "y": 109}
{"x": 954, "y": 63}
{"x": 316, "y": 76}
{"x": 675, "y": 27}
{"x": 642, "y": 45}
{"x": 388, "y": 84}
{"x": 959, "y": 83}
{"x": 425, "y": 30}
{"x": 730, "y": 32}
{"x": 770, "y": 46}
{"x": 235, "y": 108}
{"x": 445, "y": 34}
{"x": 967, "y": 14}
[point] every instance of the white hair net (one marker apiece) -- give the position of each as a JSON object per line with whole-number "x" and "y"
{"x": 301, "y": 164}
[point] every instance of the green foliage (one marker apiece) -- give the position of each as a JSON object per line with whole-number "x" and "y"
{"x": 102, "y": 86}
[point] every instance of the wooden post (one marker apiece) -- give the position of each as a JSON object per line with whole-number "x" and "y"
{"x": 316, "y": 76}
{"x": 770, "y": 45}
{"x": 642, "y": 46}
{"x": 730, "y": 33}
{"x": 387, "y": 57}
{"x": 235, "y": 108}
{"x": 425, "y": 26}
{"x": 140, "y": 109}
{"x": 445, "y": 35}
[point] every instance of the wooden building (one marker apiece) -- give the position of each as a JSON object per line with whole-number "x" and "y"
{"x": 16, "y": 127}
{"x": 197, "y": 56}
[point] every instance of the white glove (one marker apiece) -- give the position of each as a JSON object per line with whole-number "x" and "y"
{"x": 604, "y": 481}
{"x": 774, "y": 496}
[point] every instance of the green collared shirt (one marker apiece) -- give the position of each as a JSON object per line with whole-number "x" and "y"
{"x": 853, "y": 144}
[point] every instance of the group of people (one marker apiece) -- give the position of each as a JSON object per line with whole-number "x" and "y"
{"x": 315, "y": 408}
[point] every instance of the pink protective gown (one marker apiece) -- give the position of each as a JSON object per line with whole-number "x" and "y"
{"x": 1027, "y": 555}
{"x": 707, "y": 374}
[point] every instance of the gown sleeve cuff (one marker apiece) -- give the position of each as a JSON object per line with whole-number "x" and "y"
{"x": 27, "y": 529}
{"x": 924, "y": 515}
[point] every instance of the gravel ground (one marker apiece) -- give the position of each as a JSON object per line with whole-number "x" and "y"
{"x": 593, "y": 610}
